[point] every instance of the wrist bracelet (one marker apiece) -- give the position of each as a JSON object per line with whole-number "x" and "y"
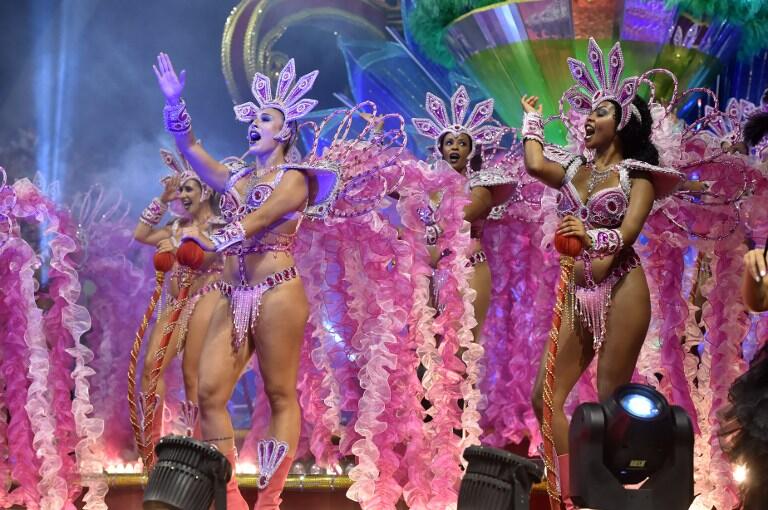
{"x": 426, "y": 215}
{"x": 605, "y": 241}
{"x": 177, "y": 120}
{"x": 232, "y": 233}
{"x": 153, "y": 213}
{"x": 533, "y": 127}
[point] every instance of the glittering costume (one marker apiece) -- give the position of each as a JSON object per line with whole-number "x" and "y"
{"x": 484, "y": 134}
{"x": 604, "y": 210}
{"x": 208, "y": 276}
{"x": 602, "y": 214}
{"x": 348, "y": 177}
{"x": 246, "y": 299}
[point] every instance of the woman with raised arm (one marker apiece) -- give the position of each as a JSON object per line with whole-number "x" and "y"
{"x": 603, "y": 201}
{"x": 262, "y": 306}
{"x": 194, "y": 206}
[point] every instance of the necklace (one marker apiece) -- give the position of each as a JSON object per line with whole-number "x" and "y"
{"x": 597, "y": 177}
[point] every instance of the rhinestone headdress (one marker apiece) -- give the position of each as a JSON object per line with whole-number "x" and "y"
{"x": 180, "y": 166}
{"x": 728, "y": 126}
{"x": 602, "y": 84}
{"x": 476, "y": 127}
{"x": 287, "y": 98}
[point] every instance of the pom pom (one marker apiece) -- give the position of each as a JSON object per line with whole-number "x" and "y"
{"x": 163, "y": 261}
{"x": 570, "y": 246}
{"x": 190, "y": 254}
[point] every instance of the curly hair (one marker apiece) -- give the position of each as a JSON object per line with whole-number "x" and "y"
{"x": 636, "y": 135}
{"x": 756, "y": 128}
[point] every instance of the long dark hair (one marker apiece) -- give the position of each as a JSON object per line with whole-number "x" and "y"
{"x": 475, "y": 163}
{"x": 756, "y": 128}
{"x": 636, "y": 135}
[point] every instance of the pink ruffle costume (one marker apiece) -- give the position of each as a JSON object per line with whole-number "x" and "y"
{"x": 44, "y": 361}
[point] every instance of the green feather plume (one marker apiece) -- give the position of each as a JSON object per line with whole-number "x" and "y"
{"x": 750, "y": 15}
{"x": 429, "y": 20}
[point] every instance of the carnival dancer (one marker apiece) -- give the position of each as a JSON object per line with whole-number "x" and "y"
{"x": 193, "y": 203}
{"x": 604, "y": 202}
{"x": 262, "y": 306}
{"x": 459, "y": 141}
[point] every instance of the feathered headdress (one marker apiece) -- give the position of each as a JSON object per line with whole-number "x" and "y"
{"x": 477, "y": 127}
{"x": 287, "y": 99}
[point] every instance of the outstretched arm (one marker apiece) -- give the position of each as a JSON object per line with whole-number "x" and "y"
{"x": 537, "y": 166}
{"x": 179, "y": 125}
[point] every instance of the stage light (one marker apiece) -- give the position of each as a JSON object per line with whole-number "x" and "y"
{"x": 740, "y": 473}
{"x": 188, "y": 475}
{"x": 640, "y": 406}
{"x": 634, "y": 437}
{"x": 497, "y": 480}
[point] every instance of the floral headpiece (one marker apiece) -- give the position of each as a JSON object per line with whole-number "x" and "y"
{"x": 476, "y": 127}
{"x": 287, "y": 99}
{"x": 602, "y": 84}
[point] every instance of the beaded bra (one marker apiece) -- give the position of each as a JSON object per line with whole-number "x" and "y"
{"x": 235, "y": 206}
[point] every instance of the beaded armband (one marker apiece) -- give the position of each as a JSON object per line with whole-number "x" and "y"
{"x": 533, "y": 127}
{"x": 153, "y": 213}
{"x": 432, "y": 234}
{"x": 605, "y": 241}
{"x": 177, "y": 120}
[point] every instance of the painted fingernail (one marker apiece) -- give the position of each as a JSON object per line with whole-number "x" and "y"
{"x": 762, "y": 272}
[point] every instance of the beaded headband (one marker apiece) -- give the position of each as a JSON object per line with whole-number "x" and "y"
{"x": 602, "y": 84}
{"x": 477, "y": 127}
{"x": 287, "y": 99}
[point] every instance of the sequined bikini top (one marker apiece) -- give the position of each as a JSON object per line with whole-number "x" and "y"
{"x": 604, "y": 209}
{"x": 234, "y": 206}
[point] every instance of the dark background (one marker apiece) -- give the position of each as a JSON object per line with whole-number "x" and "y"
{"x": 79, "y": 102}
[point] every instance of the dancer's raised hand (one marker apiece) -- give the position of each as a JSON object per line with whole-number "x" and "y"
{"x": 171, "y": 191}
{"x": 170, "y": 84}
{"x": 531, "y": 104}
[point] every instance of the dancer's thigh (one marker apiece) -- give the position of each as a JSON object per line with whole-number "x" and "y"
{"x": 279, "y": 335}
{"x": 481, "y": 284}
{"x": 220, "y": 365}
{"x": 626, "y": 327}
{"x": 197, "y": 330}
